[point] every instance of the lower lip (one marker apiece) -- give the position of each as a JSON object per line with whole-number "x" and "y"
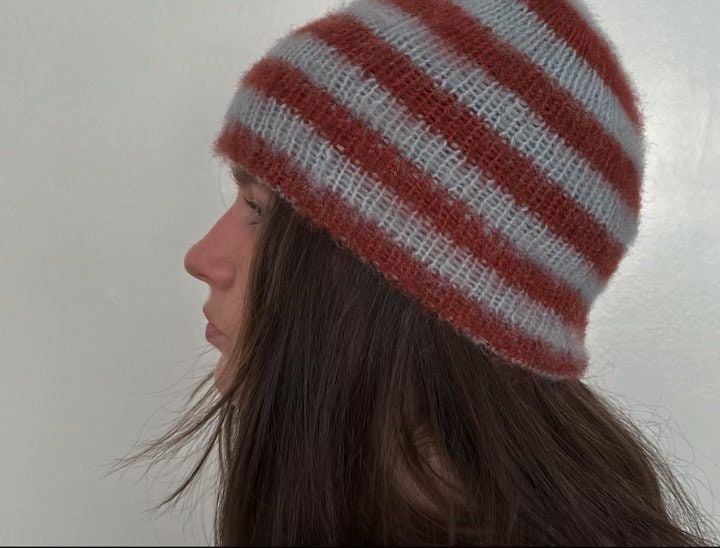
{"x": 212, "y": 334}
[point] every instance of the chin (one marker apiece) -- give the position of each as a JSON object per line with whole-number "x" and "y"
{"x": 221, "y": 377}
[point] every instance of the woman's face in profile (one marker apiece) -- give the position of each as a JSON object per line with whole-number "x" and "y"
{"x": 221, "y": 259}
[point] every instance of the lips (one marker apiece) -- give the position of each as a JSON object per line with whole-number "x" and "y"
{"x": 213, "y": 334}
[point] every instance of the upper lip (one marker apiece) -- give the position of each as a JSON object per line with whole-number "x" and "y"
{"x": 209, "y": 320}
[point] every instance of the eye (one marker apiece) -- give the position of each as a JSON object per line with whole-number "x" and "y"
{"x": 254, "y": 206}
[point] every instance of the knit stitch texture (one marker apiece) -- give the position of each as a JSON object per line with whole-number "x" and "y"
{"x": 486, "y": 156}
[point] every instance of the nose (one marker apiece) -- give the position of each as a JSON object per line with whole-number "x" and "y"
{"x": 208, "y": 261}
{"x": 192, "y": 262}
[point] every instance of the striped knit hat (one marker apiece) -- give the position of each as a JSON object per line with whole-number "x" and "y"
{"x": 486, "y": 156}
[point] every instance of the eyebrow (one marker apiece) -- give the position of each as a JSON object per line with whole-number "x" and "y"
{"x": 244, "y": 178}
{"x": 241, "y": 176}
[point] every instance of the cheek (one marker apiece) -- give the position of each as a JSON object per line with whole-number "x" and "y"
{"x": 242, "y": 275}
{"x": 243, "y": 244}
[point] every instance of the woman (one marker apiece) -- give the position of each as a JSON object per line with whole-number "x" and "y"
{"x": 431, "y": 196}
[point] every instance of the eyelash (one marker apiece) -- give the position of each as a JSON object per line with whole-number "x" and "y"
{"x": 255, "y": 207}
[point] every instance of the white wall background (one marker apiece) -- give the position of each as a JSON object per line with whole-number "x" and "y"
{"x": 107, "y": 113}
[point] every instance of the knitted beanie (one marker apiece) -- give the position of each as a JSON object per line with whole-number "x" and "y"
{"x": 485, "y": 156}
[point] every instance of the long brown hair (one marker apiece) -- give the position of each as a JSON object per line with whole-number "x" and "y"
{"x": 356, "y": 417}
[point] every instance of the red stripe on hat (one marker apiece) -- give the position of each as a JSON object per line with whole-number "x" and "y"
{"x": 560, "y": 110}
{"x": 400, "y": 269}
{"x": 572, "y": 27}
{"x": 478, "y": 142}
{"x": 451, "y": 217}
